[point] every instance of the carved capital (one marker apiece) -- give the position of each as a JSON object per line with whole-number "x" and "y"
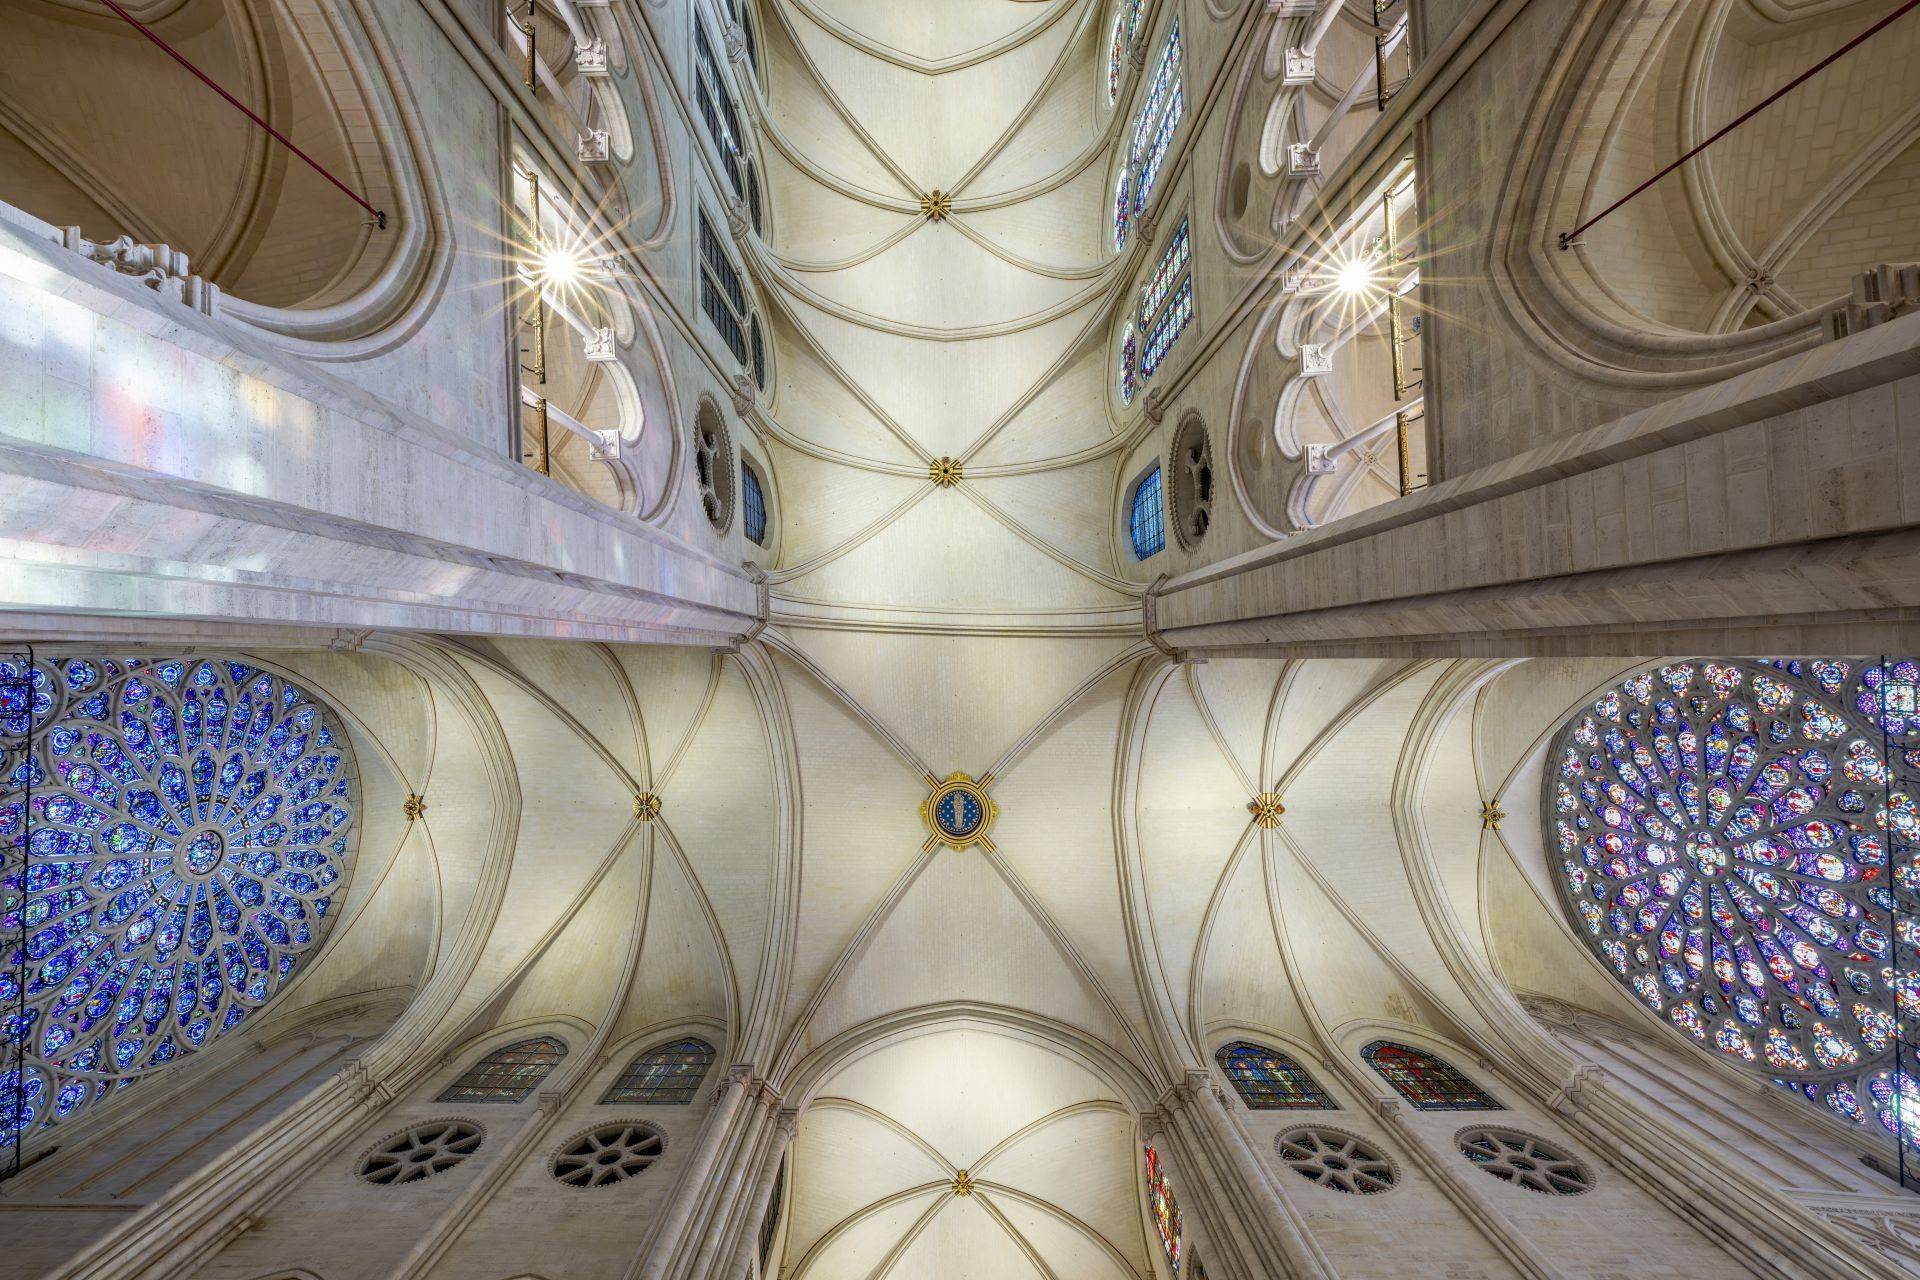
{"x": 735, "y": 39}
{"x": 744, "y": 394}
{"x": 1882, "y": 294}
{"x": 739, "y": 221}
{"x": 365, "y": 1087}
{"x": 1156, "y": 405}
{"x": 787, "y": 1121}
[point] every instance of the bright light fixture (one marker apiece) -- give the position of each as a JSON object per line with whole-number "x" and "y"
{"x": 1355, "y": 275}
{"x": 561, "y": 266}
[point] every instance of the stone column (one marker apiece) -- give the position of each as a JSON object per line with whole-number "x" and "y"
{"x": 1281, "y": 1218}
{"x": 711, "y": 1229}
{"x": 754, "y": 1209}
{"x": 694, "y": 1183}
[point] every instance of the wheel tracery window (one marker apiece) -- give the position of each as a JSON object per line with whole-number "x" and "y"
{"x": 1733, "y": 844}
{"x": 188, "y": 828}
{"x": 608, "y": 1155}
{"x": 1335, "y": 1159}
{"x": 420, "y": 1152}
{"x": 1190, "y": 463}
{"x": 1525, "y": 1161}
{"x": 713, "y": 464}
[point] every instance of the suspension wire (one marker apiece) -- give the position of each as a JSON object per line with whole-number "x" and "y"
{"x": 1903, "y": 928}
{"x": 16, "y": 762}
{"x": 1567, "y": 237}
{"x": 379, "y": 217}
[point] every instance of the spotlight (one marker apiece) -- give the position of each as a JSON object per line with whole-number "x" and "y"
{"x": 1355, "y": 275}
{"x": 561, "y": 266}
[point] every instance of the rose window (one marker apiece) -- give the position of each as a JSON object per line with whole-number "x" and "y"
{"x": 188, "y": 829}
{"x": 1723, "y": 832}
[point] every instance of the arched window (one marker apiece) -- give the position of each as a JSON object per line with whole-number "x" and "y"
{"x": 757, "y": 349}
{"x": 1164, "y": 1208}
{"x": 508, "y": 1074}
{"x": 1146, "y": 521}
{"x": 1424, "y": 1080}
{"x": 1721, "y": 832}
{"x": 1268, "y": 1080}
{"x": 668, "y": 1075}
{"x": 753, "y": 504}
{"x": 753, "y": 195}
{"x": 1147, "y": 142}
{"x": 189, "y": 826}
{"x": 716, "y": 106}
{"x": 1126, "y": 29}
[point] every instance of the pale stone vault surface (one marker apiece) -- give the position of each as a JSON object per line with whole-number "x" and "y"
{"x": 750, "y": 417}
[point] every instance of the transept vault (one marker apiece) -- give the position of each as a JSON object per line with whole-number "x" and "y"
{"x": 1056, "y": 639}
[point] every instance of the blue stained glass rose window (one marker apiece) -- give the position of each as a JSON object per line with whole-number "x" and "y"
{"x": 1736, "y": 842}
{"x": 190, "y": 828}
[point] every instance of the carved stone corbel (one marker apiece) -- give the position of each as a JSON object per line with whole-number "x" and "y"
{"x": 739, "y": 221}
{"x": 735, "y": 40}
{"x": 1582, "y": 1085}
{"x": 744, "y": 394}
{"x": 160, "y": 267}
{"x": 1156, "y": 405}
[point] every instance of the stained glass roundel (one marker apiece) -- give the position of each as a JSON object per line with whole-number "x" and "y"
{"x": 1722, "y": 829}
{"x": 189, "y": 826}
{"x": 958, "y": 813}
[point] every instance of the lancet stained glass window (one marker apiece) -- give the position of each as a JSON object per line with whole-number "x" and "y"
{"x": 509, "y": 1073}
{"x": 1146, "y": 518}
{"x": 1165, "y": 311}
{"x": 1268, "y": 1080}
{"x": 1147, "y": 142}
{"x": 1164, "y": 1207}
{"x": 1126, "y": 29}
{"x": 1735, "y": 843}
{"x": 668, "y": 1075}
{"x": 190, "y": 830}
{"x": 1424, "y": 1080}
{"x": 716, "y": 106}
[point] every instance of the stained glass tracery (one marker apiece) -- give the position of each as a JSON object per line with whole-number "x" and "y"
{"x": 1733, "y": 843}
{"x": 510, "y": 1073}
{"x": 1147, "y": 142}
{"x": 1146, "y": 517}
{"x": 1268, "y": 1080}
{"x": 1165, "y": 310}
{"x": 1164, "y": 1207}
{"x": 188, "y": 826}
{"x": 1429, "y": 1083}
{"x": 1126, "y": 30}
{"x": 668, "y": 1075}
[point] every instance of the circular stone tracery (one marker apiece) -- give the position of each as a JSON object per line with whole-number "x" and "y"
{"x": 191, "y": 826}
{"x": 1722, "y": 832}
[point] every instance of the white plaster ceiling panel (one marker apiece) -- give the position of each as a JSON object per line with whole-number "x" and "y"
{"x": 1054, "y": 418}
{"x": 936, "y": 32}
{"x": 683, "y": 971}
{"x": 859, "y": 1244}
{"x": 949, "y": 696}
{"x": 670, "y": 684}
{"x": 947, "y": 553}
{"x": 960, "y": 933}
{"x": 719, "y": 805}
{"x": 381, "y": 699}
{"x": 579, "y": 970}
{"x": 1058, "y": 130}
{"x": 1317, "y": 695}
{"x": 860, "y": 836}
{"x": 379, "y": 942}
{"x": 1071, "y": 509}
{"x": 1340, "y": 816}
{"x": 1523, "y": 706}
{"x": 1336, "y": 970}
{"x": 964, "y": 1242}
{"x": 944, "y": 394}
{"x": 1055, "y": 831}
{"x": 1067, "y": 1248}
{"x": 1239, "y": 697}
{"x": 815, "y": 226}
{"x": 1531, "y": 949}
{"x": 937, "y": 277}
{"x": 935, "y": 128}
{"x": 1081, "y": 1163}
{"x": 1451, "y": 823}
{"x": 1192, "y": 815}
{"x": 823, "y": 406}
{"x": 1059, "y": 227}
{"x": 804, "y": 123}
{"x": 1243, "y": 979}
{"x": 588, "y": 688}
{"x": 964, "y": 1090}
{"x": 832, "y": 504}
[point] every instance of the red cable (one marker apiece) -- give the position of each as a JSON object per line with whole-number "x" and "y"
{"x": 1566, "y": 237}
{"x": 281, "y": 138}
